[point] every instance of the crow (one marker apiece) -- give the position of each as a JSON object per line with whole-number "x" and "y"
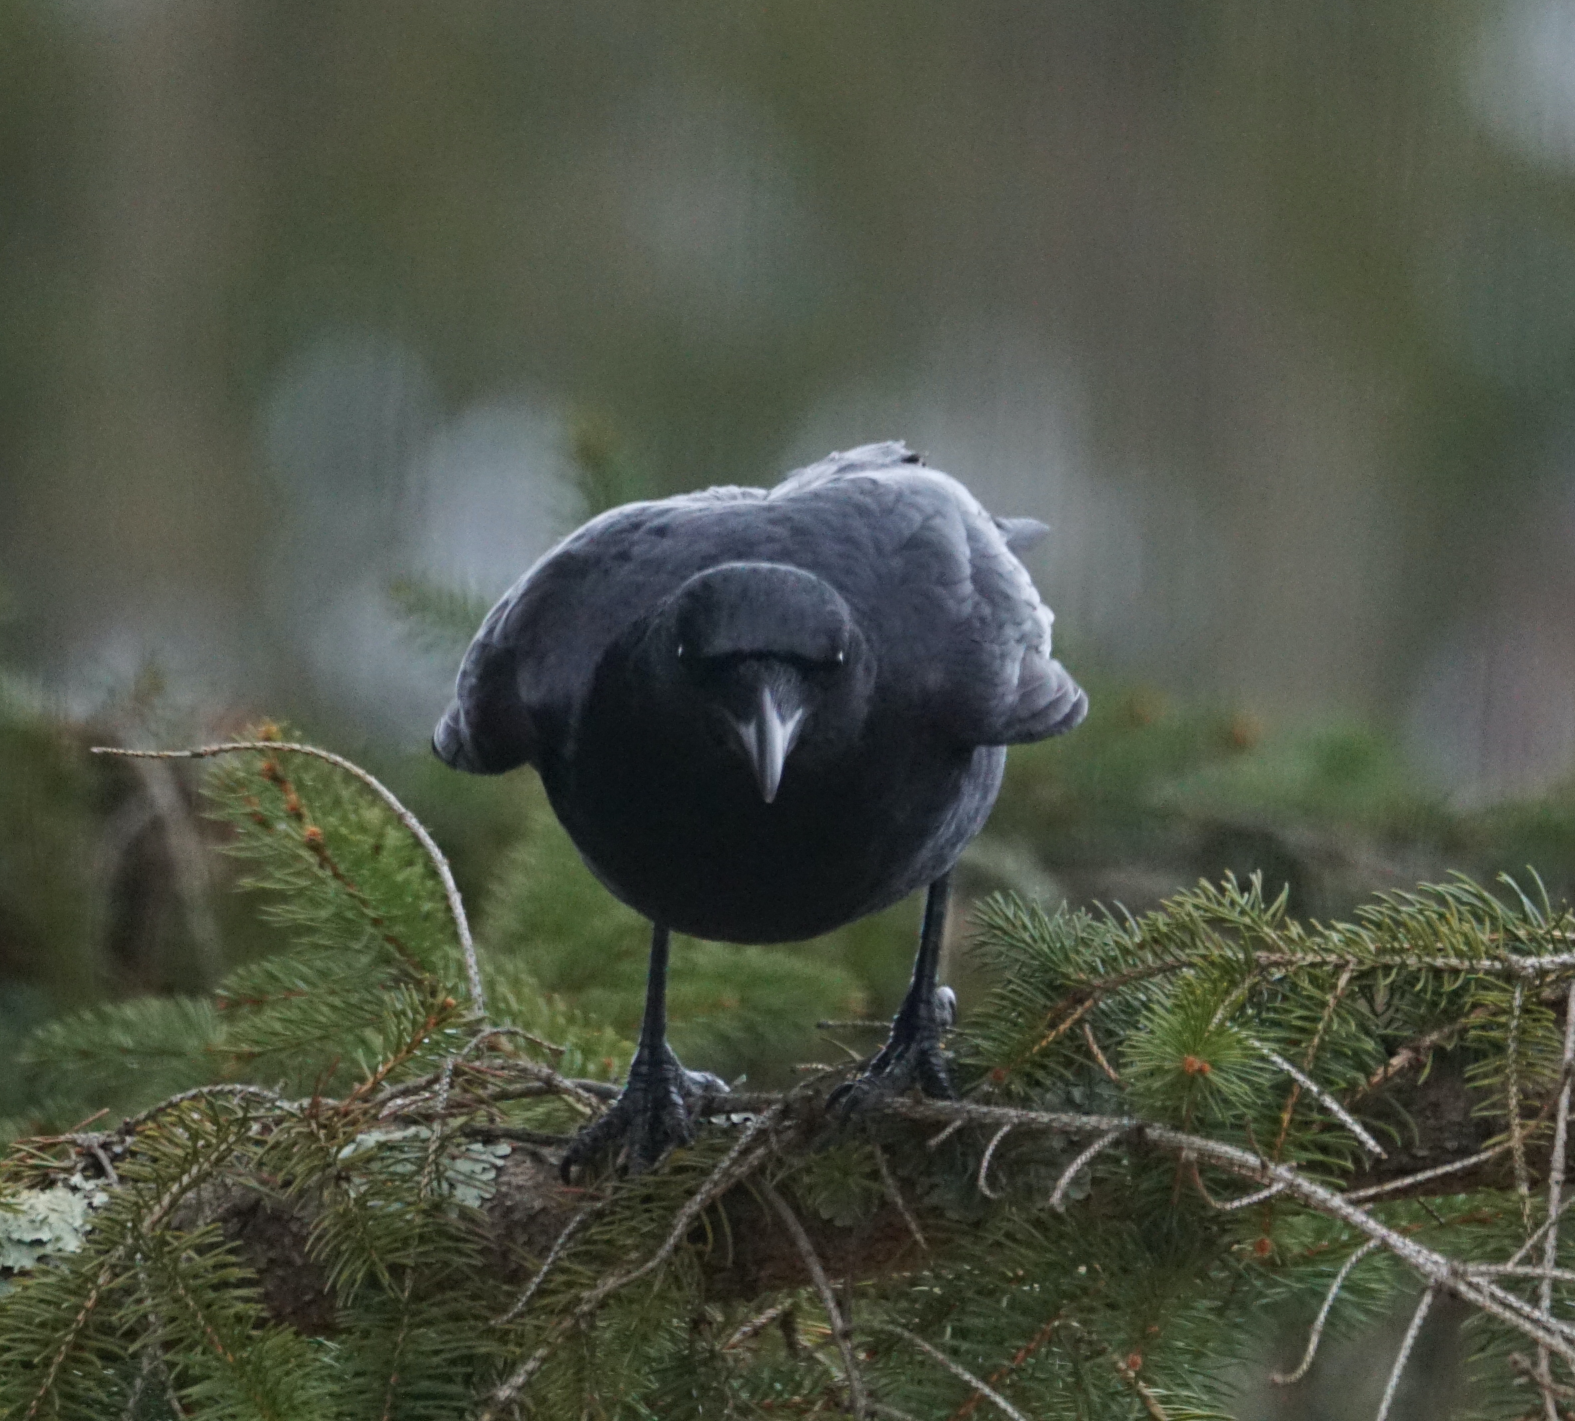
{"x": 761, "y": 714}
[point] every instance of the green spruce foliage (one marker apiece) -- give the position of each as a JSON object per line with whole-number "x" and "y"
{"x": 328, "y": 1188}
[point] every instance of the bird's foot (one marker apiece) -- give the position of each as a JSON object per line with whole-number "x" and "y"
{"x": 652, "y": 1116}
{"x": 912, "y": 1056}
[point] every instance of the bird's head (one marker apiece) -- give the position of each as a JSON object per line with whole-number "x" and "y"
{"x": 773, "y": 657}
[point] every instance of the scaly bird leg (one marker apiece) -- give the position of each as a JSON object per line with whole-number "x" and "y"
{"x": 652, "y": 1115}
{"x": 912, "y": 1055}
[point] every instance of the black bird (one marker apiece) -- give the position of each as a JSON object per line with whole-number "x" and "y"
{"x": 763, "y": 714}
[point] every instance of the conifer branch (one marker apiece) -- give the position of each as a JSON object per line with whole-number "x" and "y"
{"x": 737, "y": 1164}
{"x": 404, "y": 1204}
{"x": 1022, "y": 1354}
{"x": 1433, "y": 1266}
{"x": 1310, "y": 1056}
{"x": 417, "y": 829}
{"x": 1415, "y": 1053}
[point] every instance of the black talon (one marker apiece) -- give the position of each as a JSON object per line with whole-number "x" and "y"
{"x": 654, "y": 1114}
{"x": 912, "y": 1055}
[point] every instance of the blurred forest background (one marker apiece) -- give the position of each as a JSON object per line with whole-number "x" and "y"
{"x": 319, "y": 320}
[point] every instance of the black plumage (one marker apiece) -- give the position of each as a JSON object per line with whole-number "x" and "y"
{"x": 763, "y": 714}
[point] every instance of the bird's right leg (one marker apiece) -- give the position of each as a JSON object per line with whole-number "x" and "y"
{"x": 652, "y": 1115}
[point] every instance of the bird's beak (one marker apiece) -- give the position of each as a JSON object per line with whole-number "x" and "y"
{"x": 767, "y": 737}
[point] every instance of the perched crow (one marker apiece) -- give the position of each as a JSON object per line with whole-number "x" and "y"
{"x": 763, "y": 714}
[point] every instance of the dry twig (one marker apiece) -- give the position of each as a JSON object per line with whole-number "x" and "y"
{"x": 1322, "y": 1096}
{"x": 894, "y": 1193}
{"x": 1404, "y": 1356}
{"x": 1058, "y": 1196}
{"x": 983, "y": 1180}
{"x": 1550, "y": 1244}
{"x": 841, "y": 1332}
{"x": 1316, "y": 1335}
{"x": 981, "y": 1386}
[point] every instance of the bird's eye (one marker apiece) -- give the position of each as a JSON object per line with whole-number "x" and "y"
{"x": 841, "y": 656}
{"x": 680, "y": 651}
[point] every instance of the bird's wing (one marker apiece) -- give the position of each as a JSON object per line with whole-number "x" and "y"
{"x": 962, "y": 636}
{"x": 531, "y": 664}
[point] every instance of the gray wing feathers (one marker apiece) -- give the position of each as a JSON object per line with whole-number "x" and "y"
{"x": 963, "y": 637}
{"x": 962, "y": 628}
{"x": 533, "y": 659}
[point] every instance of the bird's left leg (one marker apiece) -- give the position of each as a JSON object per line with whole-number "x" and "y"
{"x": 912, "y": 1055}
{"x": 652, "y": 1115}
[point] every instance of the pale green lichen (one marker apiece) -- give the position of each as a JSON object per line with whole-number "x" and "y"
{"x": 465, "y": 1175}
{"x": 36, "y": 1223}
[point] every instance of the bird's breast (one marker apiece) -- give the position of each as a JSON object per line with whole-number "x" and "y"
{"x": 672, "y": 821}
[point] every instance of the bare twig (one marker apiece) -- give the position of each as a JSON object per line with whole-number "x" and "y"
{"x": 559, "y": 1244}
{"x": 1511, "y": 1270}
{"x": 894, "y": 1193}
{"x": 1413, "y": 1053}
{"x": 1404, "y": 1356}
{"x": 1058, "y": 1196}
{"x": 937, "y": 1140}
{"x": 256, "y": 1092}
{"x": 576, "y": 1090}
{"x": 1323, "y": 1097}
{"x": 842, "y": 1334}
{"x": 1517, "y": 1139}
{"x": 1145, "y": 1393}
{"x": 1258, "y": 1196}
{"x": 984, "y": 1164}
{"x": 1438, "y": 1171}
{"x": 417, "y": 830}
{"x": 757, "y": 1324}
{"x": 1316, "y": 1335}
{"x": 1098, "y": 1055}
{"x": 981, "y": 1386}
{"x": 1540, "y": 1233}
{"x": 1529, "y": 967}
{"x": 1550, "y": 1244}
